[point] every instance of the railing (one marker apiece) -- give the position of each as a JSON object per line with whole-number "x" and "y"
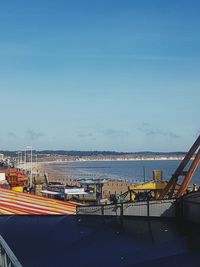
{"x": 156, "y": 208}
{"x": 7, "y": 257}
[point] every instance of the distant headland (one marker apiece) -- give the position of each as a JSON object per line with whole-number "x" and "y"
{"x": 72, "y": 155}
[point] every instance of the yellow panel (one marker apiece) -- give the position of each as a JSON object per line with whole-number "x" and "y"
{"x": 17, "y": 188}
{"x": 148, "y": 186}
{"x": 152, "y": 185}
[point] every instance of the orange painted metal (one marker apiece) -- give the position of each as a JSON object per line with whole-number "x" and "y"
{"x": 189, "y": 175}
{"x": 15, "y": 177}
{"x": 168, "y": 192}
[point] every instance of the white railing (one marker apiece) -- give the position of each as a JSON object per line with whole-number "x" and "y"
{"x": 7, "y": 257}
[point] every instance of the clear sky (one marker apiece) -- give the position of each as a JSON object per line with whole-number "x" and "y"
{"x": 118, "y": 75}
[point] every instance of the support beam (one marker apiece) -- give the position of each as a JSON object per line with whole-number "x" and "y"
{"x": 180, "y": 171}
{"x": 189, "y": 175}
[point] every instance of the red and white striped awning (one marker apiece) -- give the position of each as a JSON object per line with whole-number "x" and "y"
{"x": 12, "y": 202}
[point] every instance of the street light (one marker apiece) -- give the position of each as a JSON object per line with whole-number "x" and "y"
{"x": 36, "y": 159}
{"x": 25, "y": 160}
{"x": 31, "y": 165}
{"x": 19, "y": 159}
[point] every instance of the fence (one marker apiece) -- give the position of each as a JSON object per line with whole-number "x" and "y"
{"x": 7, "y": 257}
{"x": 156, "y": 208}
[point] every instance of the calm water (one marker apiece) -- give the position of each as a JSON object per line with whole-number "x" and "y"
{"x": 131, "y": 170}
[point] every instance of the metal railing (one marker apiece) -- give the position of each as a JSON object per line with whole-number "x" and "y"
{"x": 155, "y": 208}
{"x": 7, "y": 257}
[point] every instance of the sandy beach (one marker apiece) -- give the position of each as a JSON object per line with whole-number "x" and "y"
{"x": 113, "y": 186}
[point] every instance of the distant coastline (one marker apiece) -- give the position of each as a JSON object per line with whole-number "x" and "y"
{"x": 59, "y": 156}
{"x": 110, "y": 159}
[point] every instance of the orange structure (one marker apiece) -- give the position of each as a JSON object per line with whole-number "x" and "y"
{"x": 15, "y": 178}
{"x": 184, "y": 171}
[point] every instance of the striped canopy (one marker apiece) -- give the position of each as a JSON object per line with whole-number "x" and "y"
{"x": 12, "y": 202}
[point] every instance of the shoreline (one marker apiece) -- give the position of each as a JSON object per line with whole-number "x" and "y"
{"x": 54, "y": 168}
{"x": 110, "y": 160}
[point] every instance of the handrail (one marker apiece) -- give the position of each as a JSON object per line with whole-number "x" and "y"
{"x": 7, "y": 257}
{"x": 120, "y": 209}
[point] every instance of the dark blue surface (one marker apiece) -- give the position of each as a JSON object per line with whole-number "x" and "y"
{"x": 96, "y": 241}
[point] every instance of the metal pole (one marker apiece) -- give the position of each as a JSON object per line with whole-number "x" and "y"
{"x": 31, "y": 180}
{"x": 18, "y": 160}
{"x": 7, "y": 257}
{"x": 36, "y": 162}
{"x": 30, "y": 164}
{"x": 144, "y": 173}
{"x": 21, "y": 159}
{"x": 25, "y": 160}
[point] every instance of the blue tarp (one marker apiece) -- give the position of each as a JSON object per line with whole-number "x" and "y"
{"x": 96, "y": 241}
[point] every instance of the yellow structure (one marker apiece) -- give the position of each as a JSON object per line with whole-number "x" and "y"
{"x": 152, "y": 185}
{"x": 17, "y": 188}
{"x": 156, "y": 187}
{"x": 157, "y": 175}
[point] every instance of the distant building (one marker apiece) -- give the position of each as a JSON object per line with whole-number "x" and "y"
{"x": 1, "y": 157}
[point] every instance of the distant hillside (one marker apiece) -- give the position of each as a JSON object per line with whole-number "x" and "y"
{"x": 73, "y": 153}
{"x": 107, "y": 153}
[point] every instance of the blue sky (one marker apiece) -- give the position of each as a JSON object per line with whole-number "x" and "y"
{"x": 99, "y": 74}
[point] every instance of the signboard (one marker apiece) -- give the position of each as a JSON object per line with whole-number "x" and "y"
{"x": 54, "y": 188}
{"x": 75, "y": 191}
{"x": 2, "y": 177}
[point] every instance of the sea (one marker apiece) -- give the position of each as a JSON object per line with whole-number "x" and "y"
{"x": 133, "y": 171}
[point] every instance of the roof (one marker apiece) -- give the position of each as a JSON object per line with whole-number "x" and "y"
{"x": 12, "y": 202}
{"x": 51, "y": 192}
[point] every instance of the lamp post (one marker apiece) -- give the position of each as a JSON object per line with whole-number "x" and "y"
{"x": 36, "y": 159}
{"x": 25, "y": 160}
{"x": 21, "y": 158}
{"x": 144, "y": 174}
{"x": 31, "y": 165}
{"x": 18, "y": 159}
